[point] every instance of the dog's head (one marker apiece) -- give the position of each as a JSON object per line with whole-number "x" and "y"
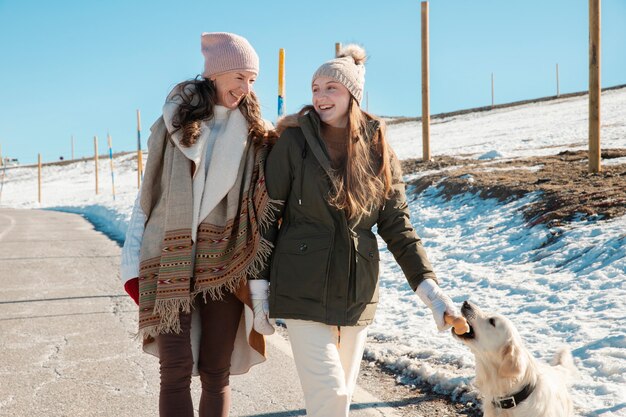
{"x": 493, "y": 339}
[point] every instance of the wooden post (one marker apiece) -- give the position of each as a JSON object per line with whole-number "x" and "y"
{"x": 557, "y": 80}
{"x": 39, "y": 177}
{"x": 139, "y": 153}
{"x": 72, "y": 147}
{"x": 95, "y": 158}
{"x": 1, "y": 159}
{"x": 281, "y": 82}
{"x": 492, "y": 92}
{"x": 337, "y": 49}
{"x": 111, "y": 161}
{"x": 425, "y": 86}
{"x": 594, "y": 86}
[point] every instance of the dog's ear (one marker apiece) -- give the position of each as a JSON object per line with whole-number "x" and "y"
{"x": 513, "y": 361}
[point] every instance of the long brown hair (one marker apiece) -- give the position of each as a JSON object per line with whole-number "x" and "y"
{"x": 198, "y": 98}
{"x": 363, "y": 181}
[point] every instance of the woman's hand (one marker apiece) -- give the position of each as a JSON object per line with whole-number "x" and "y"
{"x": 259, "y": 291}
{"x": 439, "y": 303}
{"x": 132, "y": 288}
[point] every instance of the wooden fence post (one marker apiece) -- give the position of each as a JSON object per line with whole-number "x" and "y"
{"x": 39, "y": 178}
{"x": 95, "y": 158}
{"x": 594, "y": 86}
{"x": 425, "y": 86}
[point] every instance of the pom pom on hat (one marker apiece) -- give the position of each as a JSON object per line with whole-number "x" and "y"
{"x": 348, "y": 69}
{"x": 355, "y": 51}
{"x": 226, "y": 52}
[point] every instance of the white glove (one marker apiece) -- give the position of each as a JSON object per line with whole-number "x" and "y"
{"x": 259, "y": 291}
{"x": 438, "y": 302}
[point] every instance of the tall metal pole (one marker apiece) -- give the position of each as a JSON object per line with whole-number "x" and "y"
{"x": 425, "y": 86}
{"x": 557, "y": 81}
{"x": 281, "y": 82}
{"x": 594, "y": 86}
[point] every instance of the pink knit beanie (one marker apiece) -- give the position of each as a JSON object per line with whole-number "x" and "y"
{"x": 225, "y": 52}
{"x": 348, "y": 69}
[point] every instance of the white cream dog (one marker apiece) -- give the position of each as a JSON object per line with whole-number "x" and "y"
{"x": 511, "y": 382}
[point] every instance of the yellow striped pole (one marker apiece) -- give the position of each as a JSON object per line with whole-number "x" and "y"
{"x": 281, "y": 82}
{"x": 111, "y": 160}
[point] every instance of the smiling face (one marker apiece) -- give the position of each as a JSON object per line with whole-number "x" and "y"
{"x": 331, "y": 100}
{"x": 232, "y": 87}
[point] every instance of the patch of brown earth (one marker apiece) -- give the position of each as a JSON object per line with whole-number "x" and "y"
{"x": 567, "y": 189}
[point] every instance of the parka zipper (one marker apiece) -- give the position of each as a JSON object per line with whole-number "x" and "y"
{"x": 351, "y": 237}
{"x": 302, "y": 174}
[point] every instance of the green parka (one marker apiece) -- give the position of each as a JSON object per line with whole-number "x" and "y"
{"x": 324, "y": 268}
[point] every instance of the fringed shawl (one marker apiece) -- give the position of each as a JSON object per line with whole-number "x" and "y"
{"x": 229, "y": 247}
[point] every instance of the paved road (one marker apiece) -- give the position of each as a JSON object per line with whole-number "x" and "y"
{"x": 66, "y": 333}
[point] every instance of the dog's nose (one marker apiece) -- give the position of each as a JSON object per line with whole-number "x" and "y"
{"x": 467, "y": 307}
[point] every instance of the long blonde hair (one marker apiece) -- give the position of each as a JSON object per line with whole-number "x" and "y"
{"x": 363, "y": 181}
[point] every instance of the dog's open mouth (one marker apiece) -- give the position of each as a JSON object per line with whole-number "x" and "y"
{"x": 468, "y": 335}
{"x": 468, "y": 312}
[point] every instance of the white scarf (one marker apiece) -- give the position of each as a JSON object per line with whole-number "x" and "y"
{"x": 228, "y": 148}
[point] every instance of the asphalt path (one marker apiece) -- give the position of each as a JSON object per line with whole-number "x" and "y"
{"x": 67, "y": 345}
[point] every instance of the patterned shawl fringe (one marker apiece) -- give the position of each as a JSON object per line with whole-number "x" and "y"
{"x": 268, "y": 217}
{"x": 261, "y": 257}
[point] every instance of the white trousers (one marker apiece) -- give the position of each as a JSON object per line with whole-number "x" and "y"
{"x": 327, "y": 366}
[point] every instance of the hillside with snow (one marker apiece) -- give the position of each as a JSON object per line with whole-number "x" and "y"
{"x": 570, "y": 292}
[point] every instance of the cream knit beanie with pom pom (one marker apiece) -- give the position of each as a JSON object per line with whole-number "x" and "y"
{"x": 348, "y": 69}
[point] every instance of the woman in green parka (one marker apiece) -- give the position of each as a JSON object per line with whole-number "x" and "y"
{"x": 338, "y": 178}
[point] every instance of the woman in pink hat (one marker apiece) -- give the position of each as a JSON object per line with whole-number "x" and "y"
{"x": 194, "y": 245}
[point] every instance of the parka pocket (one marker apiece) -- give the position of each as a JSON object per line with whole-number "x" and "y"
{"x": 301, "y": 267}
{"x": 367, "y": 266}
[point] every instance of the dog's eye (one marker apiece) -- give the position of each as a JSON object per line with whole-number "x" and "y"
{"x": 492, "y": 321}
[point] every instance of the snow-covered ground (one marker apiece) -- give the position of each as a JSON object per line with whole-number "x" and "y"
{"x": 571, "y": 292}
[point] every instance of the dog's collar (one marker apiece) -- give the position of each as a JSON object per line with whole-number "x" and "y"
{"x": 515, "y": 399}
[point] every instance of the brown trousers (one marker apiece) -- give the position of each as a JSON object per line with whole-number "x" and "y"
{"x": 220, "y": 320}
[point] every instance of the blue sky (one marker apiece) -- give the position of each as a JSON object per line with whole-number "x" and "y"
{"x": 82, "y": 68}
